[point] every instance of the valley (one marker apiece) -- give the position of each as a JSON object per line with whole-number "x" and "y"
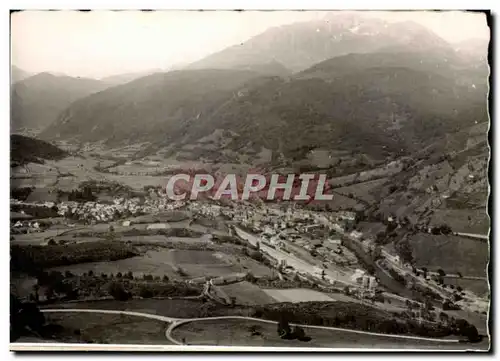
{"x": 398, "y": 258}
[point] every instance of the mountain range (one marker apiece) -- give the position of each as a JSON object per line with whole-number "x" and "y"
{"x": 18, "y": 74}
{"x": 347, "y": 82}
{"x": 38, "y": 100}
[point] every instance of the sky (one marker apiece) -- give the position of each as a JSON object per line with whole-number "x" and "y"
{"x": 102, "y": 43}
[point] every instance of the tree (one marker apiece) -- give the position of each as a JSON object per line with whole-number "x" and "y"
{"x": 23, "y": 316}
{"x": 424, "y": 269}
{"x": 165, "y": 278}
{"x": 445, "y": 229}
{"x": 405, "y": 251}
{"x": 118, "y": 292}
{"x": 50, "y": 292}
{"x": 299, "y": 333}
{"x": 471, "y": 333}
{"x": 380, "y": 237}
{"x": 145, "y": 292}
{"x": 284, "y": 330}
{"x": 441, "y": 272}
{"x": 443, "y": 317}
{"x": 250, "y": 277}
{"x": 52, "y": 242}
{"x": 91, "y": 273}
{"x": 119, "y": 275}
{"x": 408, "y": 304}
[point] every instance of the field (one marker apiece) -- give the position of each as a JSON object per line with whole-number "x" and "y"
{"x": 364, "y": 191}
{"x": 338, "y": 203}
{"x": 463, "y": 220}
{"x": 108, "y": 329}
{"x": 246, "y": 293}
{"x": 479, "y": 287}
{"x": 450, "y": 253}
{"x": 239, "y": 333}
{"x": 376, "y": 173}
{"x": 296, "y": 295}
{"x": 153, "y": 262}
{"x": 176, "y": 264}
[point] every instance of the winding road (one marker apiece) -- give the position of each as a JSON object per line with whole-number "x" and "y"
{"x": 483, "y": 237}
{"x": 176, "y": 322}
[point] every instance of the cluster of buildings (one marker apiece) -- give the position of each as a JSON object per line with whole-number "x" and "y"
{"x": 26, "y": 227}
{"x": 366, "y": 281}
{"x": 94, "y": 212}
{"x": 16, "y": 202}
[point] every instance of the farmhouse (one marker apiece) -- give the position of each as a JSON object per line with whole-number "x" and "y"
{"x": 333, "y": 244}
{"x": 157, "y": 226}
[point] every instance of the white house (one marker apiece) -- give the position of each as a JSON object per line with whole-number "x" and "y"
{"x": 157, "y": 226}
{"x": 358, "y": 273}
{"x": 356, "y": 234}
{"x": 333, "y": 244}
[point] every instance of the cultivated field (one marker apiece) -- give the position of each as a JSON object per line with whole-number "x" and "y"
{"x": 463, "y": 220}
{"x": 365, "y": 191}
{"x": 296, "y": 295}
{"x": 246, "y": 293}
{"x": 479, "y": 287}
{"x": 451, "y": 253}
{"x": 176, "y": 264}
{"x": 153, "y": 262}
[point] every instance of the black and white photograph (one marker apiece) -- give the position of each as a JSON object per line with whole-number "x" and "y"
{"x": 250, "y": 180}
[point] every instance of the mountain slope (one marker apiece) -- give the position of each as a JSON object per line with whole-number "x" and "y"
{"x": 37, "y": 101}
{"x": 382, "y": 108}
{"x": 18, "y": 74}
{"x": 25, "y": 150}
{"x": 298, "y": 46}
{"x": 379, "y": 104}
{"x": 155, "y": 107}
{"x": 435, "y": 61}
{"x": 127, "y": 77}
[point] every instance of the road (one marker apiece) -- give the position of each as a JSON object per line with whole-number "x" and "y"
{"x": 483, "y": 237}
{"x": 443, "y": 293}
{"x": 175, "y": 322}
{"x": 293, "y": 261}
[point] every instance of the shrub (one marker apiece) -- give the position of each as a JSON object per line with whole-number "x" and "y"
{"x": 118, "y": 292}
{"x": 145, "y": 292}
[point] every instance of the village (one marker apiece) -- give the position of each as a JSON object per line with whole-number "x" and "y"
{"x": 298, "y": 241}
